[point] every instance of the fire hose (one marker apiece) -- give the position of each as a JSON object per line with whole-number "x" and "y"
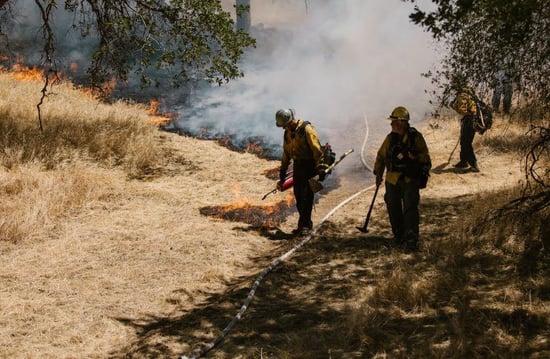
{"x": 261, "y": 276}
{"x": 205, "y": 349}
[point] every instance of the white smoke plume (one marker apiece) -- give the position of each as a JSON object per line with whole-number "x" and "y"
{"x": 339, "y": 63}
{"x": 336, "y": 62}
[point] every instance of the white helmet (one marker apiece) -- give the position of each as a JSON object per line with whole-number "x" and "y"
{"x": 283, "y": 117}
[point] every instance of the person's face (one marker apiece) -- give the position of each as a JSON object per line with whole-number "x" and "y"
{"x": 398, "y": 126}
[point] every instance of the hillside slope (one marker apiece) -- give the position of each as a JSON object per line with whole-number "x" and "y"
{"x": 141, "y": 272}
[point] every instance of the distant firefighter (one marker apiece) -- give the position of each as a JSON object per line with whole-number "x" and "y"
{"x": 465, "y": 105}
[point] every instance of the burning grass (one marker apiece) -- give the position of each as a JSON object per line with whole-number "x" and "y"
{"x": 253, "y": 145}
{"x": 47, "y": 174}
{"x": 262, "y": 217}
{"x": 76, "y": 126}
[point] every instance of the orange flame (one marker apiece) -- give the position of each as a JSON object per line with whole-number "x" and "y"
{"x": 157, "y": 118}
{"x": 24, "y": 73}
{"x": 242, "y": 210}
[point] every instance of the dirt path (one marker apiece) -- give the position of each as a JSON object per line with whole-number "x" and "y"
{"x": 142, "y": 273}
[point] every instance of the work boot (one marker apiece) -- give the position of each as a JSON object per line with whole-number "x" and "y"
{"x": 474, "y": 167}
{"x": 412, "y": 246}
{"x": 411, "y": 242}
{"x": 461, "y": 164}
{"x": 301, "y": 231}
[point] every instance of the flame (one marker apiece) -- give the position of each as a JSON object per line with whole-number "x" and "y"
{"x": 157, "y": 118}
{"x": 73, "y": 67}
{"x": 270, "y": 216}
{"x": 25, "y": 73}
{"x": 242, "y": 210}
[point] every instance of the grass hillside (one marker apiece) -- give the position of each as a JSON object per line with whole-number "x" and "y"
{"x": 111, "y": 248}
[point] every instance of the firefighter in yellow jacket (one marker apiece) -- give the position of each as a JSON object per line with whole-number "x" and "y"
{"x": 302, "y": 147}
{"x": 405, "y": 157}
{"x": 466, "y": 106}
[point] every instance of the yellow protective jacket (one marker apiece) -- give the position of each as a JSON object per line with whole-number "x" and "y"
{"x": 301, "y": 144}
{"x": 383, "y": 157}
{"x": 464, "y": 104}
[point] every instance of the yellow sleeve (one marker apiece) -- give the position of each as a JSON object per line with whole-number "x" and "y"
{"x": 314, "y": 144}
{"x": 285, "y": 159}
{"x": 380, "y": 163}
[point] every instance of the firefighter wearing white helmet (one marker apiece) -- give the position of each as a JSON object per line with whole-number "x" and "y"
{"x": 301, "y": 146}
{"x": 405, "y": 157}
{"x": 283, "y": 117}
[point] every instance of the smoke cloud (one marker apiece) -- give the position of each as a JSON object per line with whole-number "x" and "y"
{"x": 336, "y": 63}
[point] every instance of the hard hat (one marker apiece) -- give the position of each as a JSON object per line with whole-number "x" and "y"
{"x": 283, "y": 117}
{"x": 400, "y": 113}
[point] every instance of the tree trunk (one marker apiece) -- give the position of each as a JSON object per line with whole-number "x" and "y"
{"x": 243, "y": 18}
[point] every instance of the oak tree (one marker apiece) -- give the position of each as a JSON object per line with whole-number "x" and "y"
{"x": 483, "y": 38}
{"x": 182, "y": 39}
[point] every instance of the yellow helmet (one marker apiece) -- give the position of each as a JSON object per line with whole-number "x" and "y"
{"x": 400, "y": 113}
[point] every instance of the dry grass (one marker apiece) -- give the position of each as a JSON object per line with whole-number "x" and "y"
{"x": 105, "y": 251}
{"x": 46, "y": 174}
{"x": 76, "y": 126}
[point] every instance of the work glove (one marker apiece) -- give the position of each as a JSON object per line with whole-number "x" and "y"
{"x": 378, "y": 180}
{"x": 322, "y": 171}
{"x": 280, "y": 186}
{"x": 322, "y": 176}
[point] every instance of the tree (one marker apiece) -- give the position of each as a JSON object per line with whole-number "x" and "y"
{"x": 187, "y": 39}
{"x": 483, "y": 38}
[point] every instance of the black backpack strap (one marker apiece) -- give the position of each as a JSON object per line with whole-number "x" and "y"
{"x": 302, "y": 129}
{"x": 411, "y": 138}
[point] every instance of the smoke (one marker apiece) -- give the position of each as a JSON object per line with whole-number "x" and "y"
{"x": 336, "y": 62}
{"x": 341, "y": 63}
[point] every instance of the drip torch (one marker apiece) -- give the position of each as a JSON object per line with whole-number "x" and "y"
{"x": 289, "y": 181}
{"x": 314, "y": 184}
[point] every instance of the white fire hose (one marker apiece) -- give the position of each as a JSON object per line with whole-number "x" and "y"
{"x": 205, "y": 349}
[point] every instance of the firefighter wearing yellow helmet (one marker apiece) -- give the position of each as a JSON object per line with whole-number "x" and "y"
{"x": 301, "y": 146}
{"x": 405, "y": 158}
{"x": 465, "y": 105}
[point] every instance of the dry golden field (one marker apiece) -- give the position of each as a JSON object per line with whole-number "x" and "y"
{"x": 107, "y": 250}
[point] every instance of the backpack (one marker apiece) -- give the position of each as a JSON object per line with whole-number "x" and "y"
{"x": 329, "y": 156}
{"x": 483, "y": 120}
{"x": 397, "y": 155}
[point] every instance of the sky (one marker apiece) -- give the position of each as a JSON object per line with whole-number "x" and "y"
{"x": 341, "y": 64}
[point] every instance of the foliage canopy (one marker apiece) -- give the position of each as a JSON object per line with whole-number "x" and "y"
{"x": 185, "y": 39}
{"x": 484, "y": 39}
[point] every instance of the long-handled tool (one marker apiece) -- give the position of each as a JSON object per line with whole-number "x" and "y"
{"x": 314, "y": 184}
{"x": 364, "y": 228}
{"x": 453, "y": 151}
